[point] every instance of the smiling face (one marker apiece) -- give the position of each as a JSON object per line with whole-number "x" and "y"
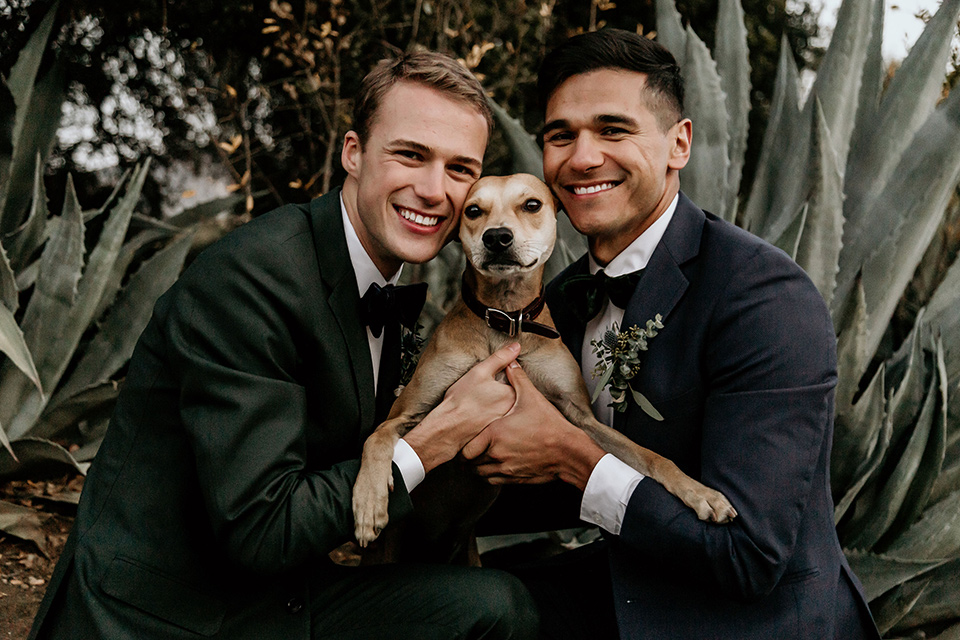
{"x": 609, "y": 159}
{"x": 509, "y": 225}
{"x": 407, "y": 181}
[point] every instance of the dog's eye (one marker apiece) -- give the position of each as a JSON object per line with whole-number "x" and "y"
{"x": 472, "y": 211}
{"x": 532, "y": 205}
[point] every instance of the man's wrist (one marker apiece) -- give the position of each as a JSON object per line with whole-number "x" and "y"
{"x": 428, "y": 440}
{"x": 580, "y": 457}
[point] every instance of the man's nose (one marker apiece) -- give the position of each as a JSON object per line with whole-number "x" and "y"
{"x": 586, "y": 154}
{"x": 497, "y": 239}
{"x": 430, "y": 185}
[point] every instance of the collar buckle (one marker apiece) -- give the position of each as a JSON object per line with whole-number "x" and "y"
{"x": 513, "y": 325}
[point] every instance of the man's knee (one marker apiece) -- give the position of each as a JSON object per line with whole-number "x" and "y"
{"x": 503, "y": 606}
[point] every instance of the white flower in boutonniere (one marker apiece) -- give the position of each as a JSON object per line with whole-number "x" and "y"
{"x": 619, "y": 355}
{"x": 411, "y": 344}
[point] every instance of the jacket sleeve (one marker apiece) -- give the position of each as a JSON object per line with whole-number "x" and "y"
{"x": 233, "y": 325}
{"x": 770, "y": 371}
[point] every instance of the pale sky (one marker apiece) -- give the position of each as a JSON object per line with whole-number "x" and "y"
{"x": 900, "y": 29}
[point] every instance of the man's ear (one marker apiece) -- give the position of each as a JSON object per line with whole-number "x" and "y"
{"x": 682, "y": 134}
{"x": 351, "y": 156}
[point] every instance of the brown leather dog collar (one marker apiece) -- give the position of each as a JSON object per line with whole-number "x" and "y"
{"x": 509, "y": 322}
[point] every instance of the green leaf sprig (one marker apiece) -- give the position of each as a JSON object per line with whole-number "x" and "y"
{"x": 618, "y": 353}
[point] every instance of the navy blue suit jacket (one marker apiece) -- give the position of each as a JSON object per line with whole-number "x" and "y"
{"x": 743, "y": 372}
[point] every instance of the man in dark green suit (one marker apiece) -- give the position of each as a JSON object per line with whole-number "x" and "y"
{"x": 226, "y": 475}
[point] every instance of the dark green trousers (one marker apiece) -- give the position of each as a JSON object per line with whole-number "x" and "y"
{"x": 423, "y": 602}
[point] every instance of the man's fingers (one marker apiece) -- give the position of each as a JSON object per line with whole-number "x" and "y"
{"x": 499, "y": 359}
{"x": 518, "y": 378}
{"x": 477, "y": 446}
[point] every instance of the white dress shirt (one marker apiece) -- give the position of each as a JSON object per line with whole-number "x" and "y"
{"x": 612, "y": 482}
{"x": 367, "y": 273}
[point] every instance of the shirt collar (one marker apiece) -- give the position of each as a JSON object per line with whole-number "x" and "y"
{"x": 637, "y": 254}
{"x": 363, "y": 267}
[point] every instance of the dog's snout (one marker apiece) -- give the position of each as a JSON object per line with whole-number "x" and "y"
{"x": 497, "y": 239}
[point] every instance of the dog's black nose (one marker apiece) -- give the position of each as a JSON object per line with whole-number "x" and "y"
{"x": 497, "y": 239}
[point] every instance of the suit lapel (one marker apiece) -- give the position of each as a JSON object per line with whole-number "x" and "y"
{"x": 570, "y": 328}
{"x": 337, "y": 273}
{"x": 664, "y": 283}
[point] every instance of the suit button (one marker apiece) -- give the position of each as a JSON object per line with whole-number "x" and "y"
{"x": 295, "y": 605}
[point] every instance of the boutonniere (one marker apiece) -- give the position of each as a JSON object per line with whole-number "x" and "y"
{"x": 411, "y": 344}
{"x": 619, "y": 360}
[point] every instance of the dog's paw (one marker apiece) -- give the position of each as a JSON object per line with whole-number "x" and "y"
{"x": 713, "y": 506}
{"x": 371, "y": 497}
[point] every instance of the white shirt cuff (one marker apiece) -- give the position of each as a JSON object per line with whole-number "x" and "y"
{"x": 608, "y": 492}
{"x": 411, "y": 468}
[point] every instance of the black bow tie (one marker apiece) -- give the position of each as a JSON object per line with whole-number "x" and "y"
{"x": 380, "y": 306}
{"x": 584, "y": 293}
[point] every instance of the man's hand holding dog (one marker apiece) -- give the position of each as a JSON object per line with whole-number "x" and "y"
{"x": 469, "y": 405}
{"x": 533, "y": 443}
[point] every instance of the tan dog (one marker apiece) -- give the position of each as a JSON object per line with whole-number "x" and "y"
{"x": 508, "y": 230}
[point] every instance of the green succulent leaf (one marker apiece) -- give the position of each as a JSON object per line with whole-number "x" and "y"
{"x": 704, "y": 179}
{"x": 670, "y": 31}
{"x": 892, "y": 606}
{"x": 819, "y": 245}
{"x": 25, "y": 241}
{"x": 910, "y": 99}
{"x": 880, "y": 573}
{"x": 90, "y": 406}
{"x": 918, "y": 191}
{"x": 852, "y": 354}
{"x": 935, "y": 535}
{"x": 36, "y": 456}
{"x": 733, "y": 65}
{"x": 860, "y": 440}
{"x": 9, "y": 294}
{"x": 939, "y": 601}
{"x": 113, "y": 345}
{"x": 930, "y": 464}
{"x": 872, "y": 522}
{"x": 783, "y": 127}
{"x": 36, "y": 137}
{"x": 525, "y": 152}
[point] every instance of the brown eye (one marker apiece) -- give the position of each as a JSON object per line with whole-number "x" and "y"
{"x": 532, "y": 205}
{"x": 472, "y": 211}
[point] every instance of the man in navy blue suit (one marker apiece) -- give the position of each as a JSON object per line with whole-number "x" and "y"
{"x": 743, "y": 373}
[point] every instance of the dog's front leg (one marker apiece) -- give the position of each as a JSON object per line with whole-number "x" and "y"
{"x": 371, "y": 492}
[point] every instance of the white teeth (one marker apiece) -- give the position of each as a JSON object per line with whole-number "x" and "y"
{"x": 426, "y": 221}
{"x": 582, "y": 191}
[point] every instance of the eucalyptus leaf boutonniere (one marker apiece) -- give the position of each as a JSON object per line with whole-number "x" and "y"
{"x": 619, "y": 360}
{"x": 411, "y": 344}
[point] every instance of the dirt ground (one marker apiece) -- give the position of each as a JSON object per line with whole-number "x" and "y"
{"x": 24, "y": 569}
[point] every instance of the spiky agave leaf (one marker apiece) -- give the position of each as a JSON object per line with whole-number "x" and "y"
{"x": 819, "y": 245}
{"x": 939, "y": 601}
{"x": 778, "y": 141}
{"x": 860, "y": 439}
{"x": 906, "y": 105}
{"x": 704, "y": 179}
{"x": 872, "y": 520}
{"x": 880, "y": 573}
{"x": 892, "y": 606}
{"x": 670, "y": 31}
{"x": 733, "y": 65}
{"x": 113, "y": 344}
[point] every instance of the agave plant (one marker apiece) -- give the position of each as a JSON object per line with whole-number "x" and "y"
{"x": 76, "y": 289}
{"x": 853, "y": 183}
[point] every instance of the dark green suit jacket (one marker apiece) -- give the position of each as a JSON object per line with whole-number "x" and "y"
{"x": 226, "y": 474}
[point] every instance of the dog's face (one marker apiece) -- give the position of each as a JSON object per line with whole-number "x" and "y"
{"x": 509, "y": 225}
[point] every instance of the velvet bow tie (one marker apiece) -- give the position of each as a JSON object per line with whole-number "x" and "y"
{"x": 584, "y": 293}
{"x": 381, "y": 306}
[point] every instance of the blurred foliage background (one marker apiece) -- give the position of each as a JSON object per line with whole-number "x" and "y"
{"x": 258, "y": 92}
{"x": 156, "y": 129}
